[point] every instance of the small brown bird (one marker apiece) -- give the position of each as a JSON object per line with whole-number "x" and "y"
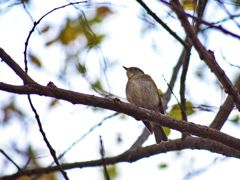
{"x": 142, "y": 91}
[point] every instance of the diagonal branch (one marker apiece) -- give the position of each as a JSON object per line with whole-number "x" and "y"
{"x": 52, "y": 151}
{"x": 205, "y": 55}
{"x": 224, "y": 111}
{"x": 15, "y": 67}
{"x": 165, "y": 26}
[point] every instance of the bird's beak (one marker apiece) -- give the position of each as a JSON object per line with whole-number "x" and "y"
{"x": 125, "y": 67}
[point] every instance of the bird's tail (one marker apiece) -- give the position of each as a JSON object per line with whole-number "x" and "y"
{"x": 159, "y": 134}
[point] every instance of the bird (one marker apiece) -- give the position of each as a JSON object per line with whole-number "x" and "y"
{"x": 142, "y": 91}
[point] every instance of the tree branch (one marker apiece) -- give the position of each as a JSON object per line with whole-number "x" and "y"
{"x": 117, "y": 105}
{"x": 35, "y": 23}
{"x": 224, "y": 111}
{"x": 15, "y": 67}
{"x": 129, "y": 109}
{"x": 139, "y": 153}
{"x": 165, "y": 26}
{"x": 51, "y": 150}
{"x": 205, "y": 55}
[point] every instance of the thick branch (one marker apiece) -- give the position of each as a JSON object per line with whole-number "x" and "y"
{"x": 139, "y": 153}
{"x": 15, "y": 67}
{"x": 132, "y": 110}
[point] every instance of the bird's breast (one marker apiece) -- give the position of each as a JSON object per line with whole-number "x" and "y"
{"x": 142, "y": 92}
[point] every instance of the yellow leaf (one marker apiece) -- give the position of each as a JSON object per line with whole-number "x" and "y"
{"x": 44, "y": 30}
{"x": 35, "y": 60}
{"x": 53, "y": 102}
{"x": 189, "y": 4}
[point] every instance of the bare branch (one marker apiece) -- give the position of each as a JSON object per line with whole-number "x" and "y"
{"x": 103, "y": 159}
{"x": 35, "y": 25}
{"x": 117, "y": 105}
{"x": 129, "y": 109}
{"x": 139, "y": 153}
{"x": 165, "y": 26}
{"x": 211, "y": 25}
{"x": 183, "y": 107}
{"x": 15, "y": 67}
{"x": 224, "y": 111}
{"x": 52, "y": 151}
{"x": 141, "y": 139}
{"x": 15, "y": 164}
{"x": 205, "y": 55}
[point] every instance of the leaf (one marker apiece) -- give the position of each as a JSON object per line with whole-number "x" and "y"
{"x": 189, "y": 4}
{"x": 95, "y": 40}
{"x": 97, "y": 109}
{"x": 123, "y": 116}
{"x": 235, "y": 119}
{"x": 190, "y": 107}
{"x": 10, "y": 110}
{"x": 160, "y": 91}
{"x": 81, "y": 68}
{"x": 162, "y": 165}
{"x": 53, "y": 102}
{"x": 112, "y": 171}
{"x": 103, "y": 11}
{"x": 166, "y": 130}
{"x": 176, "y": 110}
{"x": 98, "y": 85}
{"x": 119, "y": 138}
{"x": 45, "y": 29}
{"x": 35, "y": 60}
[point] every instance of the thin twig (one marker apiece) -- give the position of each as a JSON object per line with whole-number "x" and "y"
{"x": 102, "y": 152}
{"x": 52, "y": 151}
{"x": 228, "y": 13}
{"x": 83, "y": 136}
{"x": 172, "y": 91}
{"x": 165, "y": 26}
{"x": 34, "y": 26}
{"x": 2, "y": 151}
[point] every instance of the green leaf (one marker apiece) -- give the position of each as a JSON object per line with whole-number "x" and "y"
{"x": 235, "y": 119}
{"x": 176, "y": 110}
{"x": 162, "y": 165}
{"x": 98, "y": 85}
{"x": 190, "y": 107}
{"x": 112, "y": 171}
{"x": 167, "y": 130}
{"x": 81, "y": 68}
{"x": 160, "y": 91}
{"x": 95, "y": 40}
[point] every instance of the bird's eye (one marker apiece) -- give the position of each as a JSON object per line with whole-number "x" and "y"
{"x": 135, "y": 69}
